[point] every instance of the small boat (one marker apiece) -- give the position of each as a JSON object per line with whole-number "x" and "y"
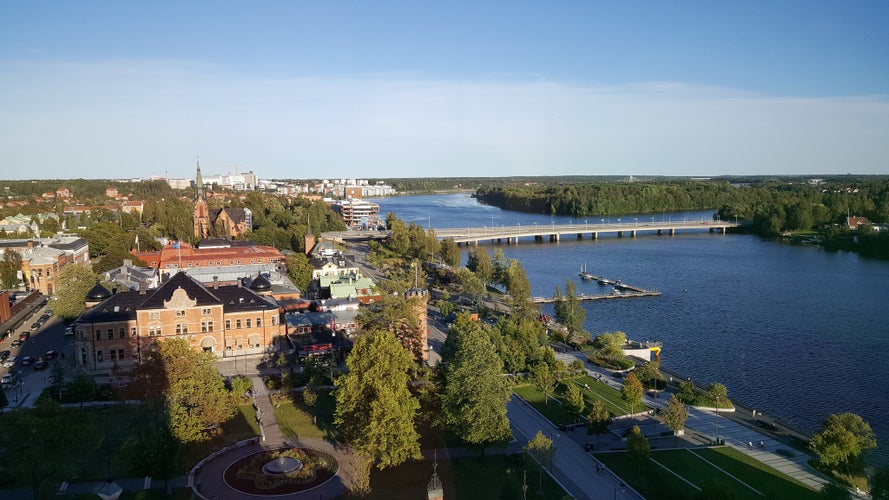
{"x": 584, "y": 275}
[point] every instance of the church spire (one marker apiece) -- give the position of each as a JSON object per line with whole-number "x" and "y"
{"x": 199, "y": 182}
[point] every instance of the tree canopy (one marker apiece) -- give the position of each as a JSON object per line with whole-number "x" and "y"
{"x": 374, "y": 407}
{"x": 73, "y": 282}
{"x": 631, "y": 392}
{"x": 842, "y": 440}
{"x": 474, "y": 392}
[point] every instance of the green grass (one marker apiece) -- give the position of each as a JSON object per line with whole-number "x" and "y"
{"x": 652, "y": 481}
{"x": 238, "y": 428}
{"x": 495, "y": 476}
{"x": 297, "y": 419}
{"x": 555, "y": 410}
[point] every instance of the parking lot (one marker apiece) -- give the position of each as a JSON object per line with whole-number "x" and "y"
{"x": 26, "y": 354}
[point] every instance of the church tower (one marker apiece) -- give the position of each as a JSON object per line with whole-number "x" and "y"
{"x": 201, "y": 212}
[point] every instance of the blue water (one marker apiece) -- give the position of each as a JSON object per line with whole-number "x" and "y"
{"x": 795, "y": 331}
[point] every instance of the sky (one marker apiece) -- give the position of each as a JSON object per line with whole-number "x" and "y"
{"x": 343, "y": 89}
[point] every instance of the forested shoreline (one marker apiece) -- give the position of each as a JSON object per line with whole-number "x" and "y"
{"x": 770, "y": 207}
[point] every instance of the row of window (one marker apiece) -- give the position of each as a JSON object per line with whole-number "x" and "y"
{"x": 181, "y": 328}
{"x": 180, "y": 313}
{"x": 210, "y": 263}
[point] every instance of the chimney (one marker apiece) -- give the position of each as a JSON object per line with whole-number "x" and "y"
{"x": 142, "y": 286}
{"x": 216, "y": 282}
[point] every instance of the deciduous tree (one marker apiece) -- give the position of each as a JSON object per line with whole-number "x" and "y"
{"x": 675, "y": 415}
{"x": 574, "y": 399}
{"x": 637, "y": 446}
{"x": 598, "y": 420}
{"x": 374, "y": 408}
{"x": 544, "y": 380}
{"x": 299, "y": 269}
{"x": 73, "y": 282}
{"x": 842, "y": 440}
{"x": 474, "y": 392}
{"x": 631, "y": 392}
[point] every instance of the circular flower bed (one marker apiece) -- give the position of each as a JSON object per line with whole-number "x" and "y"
{"x": 246, "y": 475}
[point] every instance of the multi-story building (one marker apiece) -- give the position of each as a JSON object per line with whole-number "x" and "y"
{"x": 357, "y": 212}
{"x": 227, "y": 321}
{"x": 177, "y": 255}
{"x": 42, "y": 260}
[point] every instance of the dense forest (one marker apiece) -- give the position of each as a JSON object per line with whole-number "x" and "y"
{"x": 770, "y": 207}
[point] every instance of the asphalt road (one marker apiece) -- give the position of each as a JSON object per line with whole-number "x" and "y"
{"x": 51, "y": 336}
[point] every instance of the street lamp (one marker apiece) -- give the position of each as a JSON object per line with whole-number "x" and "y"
{"x": 716, "y": 426}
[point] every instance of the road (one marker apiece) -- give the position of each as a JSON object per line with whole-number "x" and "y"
{"x": 51, "y": 336}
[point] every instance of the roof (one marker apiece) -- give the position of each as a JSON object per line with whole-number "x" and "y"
{"x": 194, "y": 289}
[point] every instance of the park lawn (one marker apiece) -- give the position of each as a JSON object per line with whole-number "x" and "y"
{"x": 648, "y": 479}
{"x": 654, "y": 481}
{"x": 554, "y": 410}
{"x": 495, "y": 476}
{"x": 296, "y": 419}
{"x": 756, "y": 473}
{"x": 608, "y": 395}
{"x": 241, "y": 426}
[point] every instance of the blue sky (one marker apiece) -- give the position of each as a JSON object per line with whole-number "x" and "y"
{"x": 406, "y": 89}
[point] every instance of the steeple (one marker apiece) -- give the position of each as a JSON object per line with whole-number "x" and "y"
{"x": 198, "y": 183}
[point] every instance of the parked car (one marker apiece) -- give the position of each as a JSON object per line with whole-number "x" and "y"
{"x": 69, "y": 330}
{"x": 40, "y": 365}
{"x": 24, "y": 336}
{"x": 49, "y": 312}
{"x": 9, "y": 362}
{"x": 27, "y": 360}
{"x": 7, "y": 379}
{"x": 36, "y": 325}
{"x": 51, "y": 355}
{"x": 5, "y": 354}
{"x": 17, "y": 343}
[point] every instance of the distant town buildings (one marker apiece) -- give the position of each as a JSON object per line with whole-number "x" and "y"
{"x": 43, "y": 259}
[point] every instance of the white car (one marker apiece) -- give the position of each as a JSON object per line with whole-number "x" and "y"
{"x": 8, "y": 362}
{"x": 7, "y": 379}
{"x": 69, "y": 330}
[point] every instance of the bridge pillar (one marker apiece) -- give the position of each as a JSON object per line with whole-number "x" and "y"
{"x": 580, "y": 236}
{"x": 660, "y": 232}
{"x": 554, "y": 237}
{"x": 595, "y": 236}
{"x": 672, "y": 231}
{"x": 633, "y": 233}
{"x": 620, "y": 234}
{"x": 710, "y": 230}
{"x": 723, "y": 230}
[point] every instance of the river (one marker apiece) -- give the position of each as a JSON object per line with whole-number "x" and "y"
{"x": 795, "y": 331}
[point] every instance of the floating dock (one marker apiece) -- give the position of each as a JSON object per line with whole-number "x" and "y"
{"x": 621, "y": 291}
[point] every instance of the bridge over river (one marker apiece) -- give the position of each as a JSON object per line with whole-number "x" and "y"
{"x": 552, "y": 232}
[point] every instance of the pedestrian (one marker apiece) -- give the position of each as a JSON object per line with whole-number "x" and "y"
{"x": 761, "y": 444}
{"x": 749, "y": 445}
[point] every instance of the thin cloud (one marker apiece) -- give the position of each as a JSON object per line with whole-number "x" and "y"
{"x": 122, "y": 118}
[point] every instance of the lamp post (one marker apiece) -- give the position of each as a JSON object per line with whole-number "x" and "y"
{"x": 716, "y": 425}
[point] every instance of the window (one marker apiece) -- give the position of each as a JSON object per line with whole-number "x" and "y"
{"x": 209, "y": 326}
{"x": 206, "y": 311}
{"x": 159, "y": 331}
{"x": 178, "y": 328}
{"x": 98, "y": 334}
{"x": 274, "y": 321}
{"x": 248, "y": 322}
{"x": 204, "y": 326}
{"x": 123, "y": 332}
{"x": 154, "y": 315}
{"x": 184, "y": 327}
{"x": 132, "y": 331}
{"x": 120, "y": 354}
{"x": 258, "y": 322}
{"x": 228, "y": 324}
{"x": 180, "y": 313}
{"x": 112, "y": 355}
{"x": 99, "y": 356}
{"x": 237, "y": 323}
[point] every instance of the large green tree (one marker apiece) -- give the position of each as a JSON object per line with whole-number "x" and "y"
{"x": 474, "y": 392}
{"x": 374, "y": 407}
{"x": 479, "y": 262}
{"x": 574, "y": 399}
{"x": 571, "y": 314}
{"x": 638, "y": 448}
{"x": 10, "y": 266}
{"x": 397, "y": 314}
{"x": 598, "y": 419}
{"x": 450, "y": 252}
{"x": 187, "y": 382}
{"x": 542, "y": 450}
{"x": 544, "y": 379}
{"x": 72, "y": 284}
{"x": 299, "y": 269}
{"x": 842, "y": 440}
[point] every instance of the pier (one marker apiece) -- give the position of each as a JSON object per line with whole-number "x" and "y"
{"x": 621, "y": 291}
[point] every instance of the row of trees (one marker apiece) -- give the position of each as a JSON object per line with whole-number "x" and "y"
{"x": 773, "y": 206}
